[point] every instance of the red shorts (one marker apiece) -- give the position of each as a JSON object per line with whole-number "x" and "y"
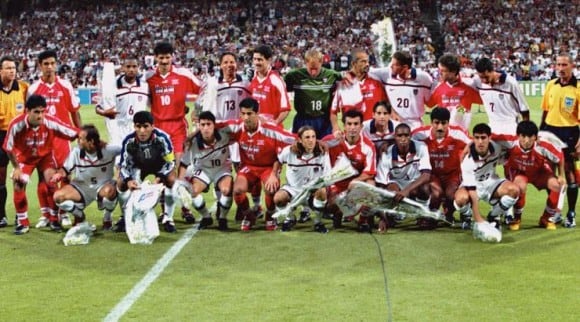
{"x": 334, "y": 189}
{"x": 255, "y": 174}
{"x": 177, "y": 130}
{"x": 539, "y": 179}
{"x": 445, "y": 181}
{"x": 47, "y": 162}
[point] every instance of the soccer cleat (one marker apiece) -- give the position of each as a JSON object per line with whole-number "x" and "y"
{"x": 450, "y": 219}
{"x": 42, "y": 222}
{"x": 107, "y": 225}
{"x": 304, "y": 216}
{"x": 168, "y": 224}
{"x": 246, "y": 225}
{"x": 288, "y": 224}
{"x": 465, "y": 222}
{"x": 187, "y": 216}
{"x": 205, "y": 222}
{"x": 496, "y": 221}
{"x": 249, "y": 220}
{"x": 546, "y": 223}
{"x": 222, "y": 224}
{"x": 3, "y": 222}
{"x": 21, "y": 230}
{"x": 514, "y": 224}
{"x": 55, "y": 226}
{"x": 556, "y": 218}
{"x": 119, "y": 225}
{"x": 363, "y": 225}
{"x": 271, "y": 225}
{"x": 320, "y": 228}
{"x": 239, "y": 215}
{"x": 570, "y": 221}
{"x": 65, "y": 220}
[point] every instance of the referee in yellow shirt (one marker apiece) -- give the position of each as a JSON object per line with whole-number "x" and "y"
{"x": 12, "y": 98}
{"x": 561, "y": 117}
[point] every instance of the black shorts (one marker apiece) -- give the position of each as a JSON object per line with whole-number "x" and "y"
{"x": 568, "y": 135}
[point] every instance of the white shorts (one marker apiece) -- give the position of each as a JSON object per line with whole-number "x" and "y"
{"x": 508, "y": 127}
{"x": 486, "y": 189}
{"x": 88, "y": 192}
{"x": 118, "y": 130}
{"x": 461, "y": 119}
{"x": 209, "y": 176}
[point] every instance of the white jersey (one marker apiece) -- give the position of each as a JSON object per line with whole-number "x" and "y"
{"x": 208, "y": 159}
{"x": 380, "y": 139}
{"x": 480, "y": 172}
{"x": 88, "y": 168}
{"x": 226, "y": 104}
{"x": 302, "y": 170}
{"x": 407, "y": 96}
{"x": 403, "y": 170}
{"x": 504, "y": 102}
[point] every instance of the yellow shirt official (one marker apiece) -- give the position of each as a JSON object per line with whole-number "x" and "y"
{"x": 12, "y": 103}
{"x": 561, "y": 103}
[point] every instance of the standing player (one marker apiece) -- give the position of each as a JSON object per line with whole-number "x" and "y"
{"x": 169, "y": 87}
{"x": 91, "y": 165}
{"x": 360, "y": 150}
{"x": 147, "y": 151}
{"x": 63, "y": 104}
{"x": 381, "y": 127}
{"x": 407, "y": 88}
{"x": 362, "y": 94}
{"x": 313, "y": 88}
{"x": 561, "y": 114}
{"x": 29, "y": 144}
{"x": 132, "y": 96}
{"x": 259, "y": 144}
{"x": 268, "y": 88}
{"x": 405, "y": 169}
{"x": 305, "y": 161}
{"x": 452, "y": 94}
{"x": 446, "y": 144}
{"x": 207, "y": 160}
{"x": 481, "y": 182}
{"x": 502, "y": 97}
{"x": 532, "y": 161}
{"x": 12, "y": 99}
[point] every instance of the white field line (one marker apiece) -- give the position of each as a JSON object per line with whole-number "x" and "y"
{"x": 125, "y": 304}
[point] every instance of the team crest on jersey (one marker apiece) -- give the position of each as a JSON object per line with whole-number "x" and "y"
{"x": 224, "y": 150}
{"x": 240, "y": 92}
{"x": 415, "y": 91}
{"x": 260, "y": 142}
{"x": 19, "y": 106}
{"x": 316, "y": 169}
{"x": 500, "y": 96}
{"x": 568, "y": 103}
{"x": 175, "y": 82}
{"x": 103, "y": 169}
{"x": 139, "y": 98}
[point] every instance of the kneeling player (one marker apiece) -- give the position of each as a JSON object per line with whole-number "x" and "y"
{"x": 481, "y": 182}
{"x": 305, "y": 161}
{"x": 405, "y": 169}
{"x": 206, "y": 161}
{"x": 92, "y": 165}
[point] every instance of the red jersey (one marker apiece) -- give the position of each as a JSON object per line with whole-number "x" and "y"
{"x": 445, "y": 155}
{"x": 371, "y": 92}
{"x": 30, "y": 144}
{"x": 452, "y": 96}
{"x": 530, "y": 162}
{"x": 168, "y": 93}
{"x": 362, "y": 154}
{"x": 271, "y": 93}
{"x": 60, "y": 96}
{"x": 261, "y": 148}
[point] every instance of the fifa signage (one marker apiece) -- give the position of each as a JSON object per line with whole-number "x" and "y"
{"x": 533, "y": 88}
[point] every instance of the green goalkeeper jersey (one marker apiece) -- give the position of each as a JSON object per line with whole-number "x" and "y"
{"x": 312, "y": 96}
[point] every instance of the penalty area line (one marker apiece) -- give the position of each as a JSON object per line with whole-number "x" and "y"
{"x": 125, "y": 304}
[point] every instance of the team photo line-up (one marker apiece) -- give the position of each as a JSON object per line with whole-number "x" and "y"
{"x": 239, "y": 129}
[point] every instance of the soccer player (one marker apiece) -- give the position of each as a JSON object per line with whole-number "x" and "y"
{"x": 305, "y": 161}
{"x": 313, "y": 88}
{"x": 259, "y": 145}
{"x": 360, "y": 150}
{"x": 453, "y": 94}
{"x": 481, "y": 182}
{"x": 531, "y": 161}
{"x": 207, "y": 160}
{"x": 560, "y": 116}
{"x": 446, "y": 144}
{"x": 408, "y": 88}
{"x": 405, "y": 169}
{"x": 169, "y": 87}
{"x": 12, "y": 99}
{"x": 268, "y": 88}
{"x": 91, "y": 166}
{"x": 381, "y": 127}
{"x": 147, "y": 151}
{"x": 502, "y": 98}
{"x": 63, "y": 104}
{"x": 362, "y": 94}
{"x": 132, "y": 96}
{"x": 29, "y": 144}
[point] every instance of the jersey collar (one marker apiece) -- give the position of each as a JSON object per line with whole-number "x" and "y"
{"x": 573, "y": 82}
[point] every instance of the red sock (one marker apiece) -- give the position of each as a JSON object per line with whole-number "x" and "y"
{"x": 20, "y": 201}
{"x": 552, "y": 201}
{"x": 242, "y": 201}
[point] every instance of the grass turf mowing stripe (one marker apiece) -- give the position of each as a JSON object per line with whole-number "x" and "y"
{"x": 125, "y": 304}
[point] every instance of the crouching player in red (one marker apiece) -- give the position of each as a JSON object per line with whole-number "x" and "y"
{"x": 29, "y": 146}
{"x": 305, "y": 161}
{"x": 481, "y": 182}
{"x": 259, "y": 144}
{"x": 531, "y": 161}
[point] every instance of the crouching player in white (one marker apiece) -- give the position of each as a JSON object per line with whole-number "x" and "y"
{"x": 206, "y": 160}
{"x": 305, "y": 161}
{"x": 405, "y": 169}
{"x": 91, "y": 166}
{"x": 480, "y": 180}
